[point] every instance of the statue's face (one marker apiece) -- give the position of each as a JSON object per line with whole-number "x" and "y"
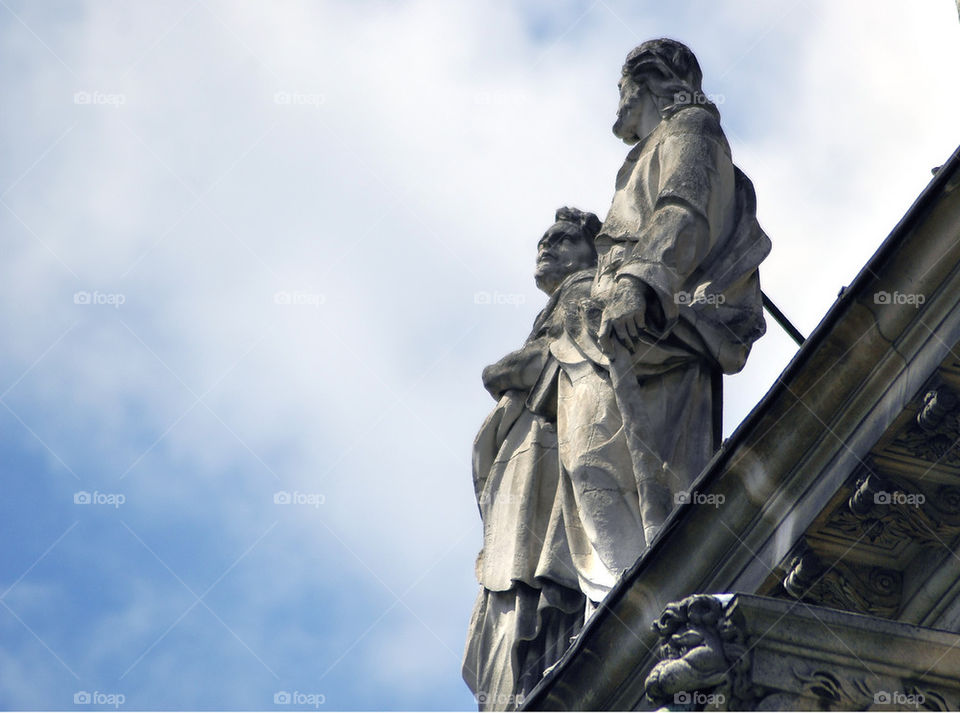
{"x": 637, "y": 114}
{"x": 561, "y": 252}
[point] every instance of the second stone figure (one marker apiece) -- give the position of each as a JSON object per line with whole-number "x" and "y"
{"x": 612, "y": 407}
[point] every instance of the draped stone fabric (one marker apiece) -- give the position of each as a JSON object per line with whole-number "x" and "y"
{"x": 515, "y": 636}
{"x": 683, "y": 224}
{"x": 602, "y": 511}
{"x": 597, "y": 436}
{"x": 515, "y": 460}
{"x": 530, "y": 603}
{"x": 521, "y": 490}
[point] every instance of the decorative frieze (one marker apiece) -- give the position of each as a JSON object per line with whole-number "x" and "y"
{"x": 757, "y": 653}
{"x": 870, "y": 590}
{"x": 934, "y": 436}
{"x": 926, "y": 513}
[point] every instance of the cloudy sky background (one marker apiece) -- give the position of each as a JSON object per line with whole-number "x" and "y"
{"x": 376, "y": 165}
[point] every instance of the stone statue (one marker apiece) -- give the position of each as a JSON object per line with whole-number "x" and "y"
{"x": 530, "y": 603}
{"x": 612, "y": 407}
{"x": 675, "y": 304}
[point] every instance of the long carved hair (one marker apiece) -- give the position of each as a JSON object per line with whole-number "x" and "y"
{"x": 671, "y": 72}
{"x": 588, "y": 224}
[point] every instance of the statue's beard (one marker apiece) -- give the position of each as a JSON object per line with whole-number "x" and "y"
{"x": 636, "y": 120}
{"x": 621, "y": 133}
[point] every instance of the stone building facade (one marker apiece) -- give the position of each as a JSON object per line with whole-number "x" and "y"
{"x": 815, "y": 564}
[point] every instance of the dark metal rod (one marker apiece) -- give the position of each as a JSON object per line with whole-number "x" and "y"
{"x": 782, "y": 320}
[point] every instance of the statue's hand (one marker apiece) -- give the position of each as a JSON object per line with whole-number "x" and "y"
{"x": 623, "y": 316}
{"x": 519, "y": 369}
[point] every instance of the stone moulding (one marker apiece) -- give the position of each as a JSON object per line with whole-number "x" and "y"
{"x": 782, "y": 466}
{"x": 926, "y": 513}
{"x": 934, "y": 436}
{"x": 870, "y": 590}
{"x": 774, "y": 654}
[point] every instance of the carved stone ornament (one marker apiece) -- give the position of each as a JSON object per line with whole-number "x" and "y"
{"x": 935, "y": 435}
{"x": 833, "y": 691}
{"x": 612, "y": 407}
{"x": 828, "y": 689}
{"x": 888, "y": 508}
{"x": 870, "y": 590}
{"x": 927, "y": 698}
{"x": 704, "y": 660}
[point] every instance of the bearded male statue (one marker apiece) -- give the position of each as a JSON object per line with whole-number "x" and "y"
{"x": 612, "y": 407}
{"x": 675, "y": 304}
{"x": 530, "y": 603}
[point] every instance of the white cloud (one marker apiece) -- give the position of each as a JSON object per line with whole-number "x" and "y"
{"x": 434, "y": 144}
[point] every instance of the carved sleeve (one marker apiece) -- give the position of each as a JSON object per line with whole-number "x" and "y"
{"x": 693, "y": 204}
{"x": 517, "y": 370}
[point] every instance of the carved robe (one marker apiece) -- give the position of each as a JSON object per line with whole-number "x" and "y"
{"x": 529, "y": 604}
{"x": 683, "y": 223}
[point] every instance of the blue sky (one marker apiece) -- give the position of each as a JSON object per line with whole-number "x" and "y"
{"x": 242, "y": 244}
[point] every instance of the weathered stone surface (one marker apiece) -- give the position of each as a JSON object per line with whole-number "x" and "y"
{"x": 529, "y": 603}
{"x": 608, "y": 413}
{"x": 676, "y": 303}
{"x": 703, "y": 649}
{"x": 858, "y": 383}
{"x": 774, "y": 655}
{"x": 872, "y": 590}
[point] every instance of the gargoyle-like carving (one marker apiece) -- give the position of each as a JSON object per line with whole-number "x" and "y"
{"x": 701, "y": 648}
{"x": 871, "y": 590}
{"x": 886, "y": 507}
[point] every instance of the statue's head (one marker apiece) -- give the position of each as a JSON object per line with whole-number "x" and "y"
{"x": 701, "y": 647}
{"x": 659, "y": 77}
{"x": 567, "y": 247}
